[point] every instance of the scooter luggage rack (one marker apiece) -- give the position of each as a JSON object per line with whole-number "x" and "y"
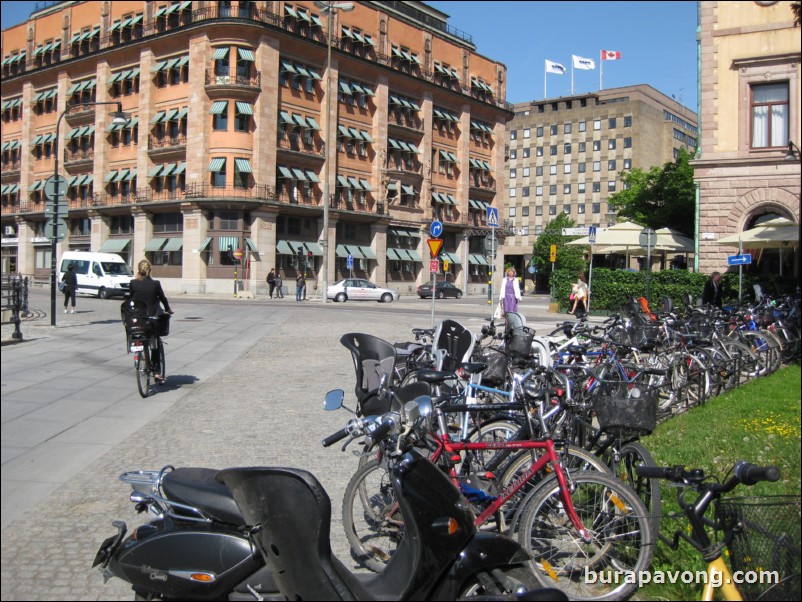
{"x": 147, "y": 484}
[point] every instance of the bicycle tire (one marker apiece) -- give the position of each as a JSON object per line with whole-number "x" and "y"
{"x": 573, "y": 458}
{"x": 620, "y": 531}
{"x": 632, "y": 455}
{"x": 162, "y": 368}
{"x": 766, "y": 345}
{"x": 371, "y": 516}
{"x": 498, "y": 586}
{"x": 143, "y": 372}
{"x": 749, "y": 365}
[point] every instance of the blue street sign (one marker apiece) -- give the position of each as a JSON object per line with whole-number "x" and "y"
{"x": 349, "y": 262}
{"x": 532, "y": 269}
{"x": 492, "y": 217}
{"x": 592, "y": 235}
{"x": 436, "y": 229}
{"x": 744, "y": 259}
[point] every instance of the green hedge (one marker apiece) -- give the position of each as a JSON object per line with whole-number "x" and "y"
{"x": 610, "y": 288}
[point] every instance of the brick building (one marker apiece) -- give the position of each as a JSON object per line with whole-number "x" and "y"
{"x": 226, "y": 147}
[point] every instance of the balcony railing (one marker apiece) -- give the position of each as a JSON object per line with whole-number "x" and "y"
{"x": 243, "y": 81}
{"x": 372, "y": 207}
{"x": 298, "y": 145}
{"x": 74, "y": 156}
{"x": 166, "y": 142}
{"x": 11, "y": 166}
{"x": 410, "y": 122}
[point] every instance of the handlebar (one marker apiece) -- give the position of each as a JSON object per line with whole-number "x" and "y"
{"x": 744, "y": 473}
{"x": 334, "y": 438}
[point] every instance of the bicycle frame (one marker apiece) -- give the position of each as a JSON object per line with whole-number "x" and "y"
{"x": 444, "y": 444}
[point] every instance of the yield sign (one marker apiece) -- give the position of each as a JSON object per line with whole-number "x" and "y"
{"x": 435, "y": 244}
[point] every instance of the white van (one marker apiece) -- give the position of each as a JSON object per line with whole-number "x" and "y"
{"x": 103, "y": 274}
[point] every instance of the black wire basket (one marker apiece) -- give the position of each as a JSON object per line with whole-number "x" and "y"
{"x": 623, "y": 406}
{"x": 496, "y": 371}
{"x": 767, "y": 546}
{"x": 519, "y": 341}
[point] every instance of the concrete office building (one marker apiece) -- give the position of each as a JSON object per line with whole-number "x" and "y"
{"x": 566, "y": 154}
{"x": 226, "y": 146}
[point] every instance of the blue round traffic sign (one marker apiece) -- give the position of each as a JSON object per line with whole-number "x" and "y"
{"x": 436, "y": 229}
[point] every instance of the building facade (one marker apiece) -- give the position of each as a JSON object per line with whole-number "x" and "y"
{"x": 748, "y": 167}
{"x": 566, "y": 155}
{"x": 226, "y": 147}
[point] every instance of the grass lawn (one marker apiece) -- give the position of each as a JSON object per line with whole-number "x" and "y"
{"x": 758, "y": 422}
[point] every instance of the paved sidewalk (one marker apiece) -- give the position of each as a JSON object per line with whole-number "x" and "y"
{"x": 245, "y": 387}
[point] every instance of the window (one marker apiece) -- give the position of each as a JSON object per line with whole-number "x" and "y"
{"x": 538, "y": 191}
{"x": 611, "y": 165}
{"x": 228, "y": 220}
{"x": 627, "y": 142}
{"x": 611, "y": 123}
{"x": 539, "y": 171}
{"x": 513, "y": 134}
{"x": 580, "y": 209}
{"x": 582, "y": 147}
{"x": 611, "y": 186}
{"x": 566, "y": 189}
{"x": 526, "y": 133}
{"x": 525, "y": 191}
{"x": 526, "y": 153}
{"x": 567, "y": 168}
{"x": 220, "y": 115}
{"x": 628, "y": 121}
{"x": 596, "y": 186}
{"x": 553, "y": 189}
{"x": 513, "y": 153}
{"x": 597, "y": 145}
{"x": 242, "y": 171}
{"x": 539, "y": 210}
{"x": 525, "y": 211}
{"x": 567, "y": 148}
{"x": 512, "y": 211}
{"x": 597, "y": 125}
{"x": 218, "y": 171}
{"x": 596, "y": 208}
{"x": 553, "y": 130}
{"x": 526, "y": 172}
{"x": 553, "y": 150}
{"x": 512, "y": 173}
{"x": 568, "y": 128}
{"x": 769, "y": 115}
{"x": 242, "y": 119}
{"x": 539, "y": 151}
{"x": 552, "y": 209}
{"x": 583, "y": 126}
{"x": 580, "y": 188}
{"x": 627, "y": 163}
{"x": 540, "y": 131}
{"x": 552, "y": 170}
{"x": 611, "y": 144}
{"x": 567, "y": 208}
{"x": 168, "y": 222}
{"x": 512, "y": 193}
{"x": 597, "y": 166}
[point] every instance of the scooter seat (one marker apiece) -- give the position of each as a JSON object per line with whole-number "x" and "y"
{"x": 198, "y": 488}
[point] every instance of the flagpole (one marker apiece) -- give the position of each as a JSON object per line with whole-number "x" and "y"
{"x": 572, "y": 76}
{"x": 601, "y": 69}
{"x": 545, "y": 72}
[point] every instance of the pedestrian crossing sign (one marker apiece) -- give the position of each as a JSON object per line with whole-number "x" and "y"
{"x": 492, "y": 217}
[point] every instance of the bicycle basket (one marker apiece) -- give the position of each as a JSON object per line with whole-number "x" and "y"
{"x": 163, "y": 325}
{"x": 769, "y": 542}
{"x": 626, "y": 406}
{"x": 519, "y": 341}
{"x": 643, "y": 335}
{"x": 496, "y": 371}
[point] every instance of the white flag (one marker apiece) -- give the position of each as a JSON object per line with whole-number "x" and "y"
{"x": 552, "y": 67}
{"x": 582, "y": 63}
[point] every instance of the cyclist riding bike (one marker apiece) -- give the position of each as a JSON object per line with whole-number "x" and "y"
{"x": 149, "y": 291}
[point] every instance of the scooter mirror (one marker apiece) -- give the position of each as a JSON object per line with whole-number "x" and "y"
{"x": 334, "y": 400}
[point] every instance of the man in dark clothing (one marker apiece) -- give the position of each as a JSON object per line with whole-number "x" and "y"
{"x": 271, "y": 281}
{"x": 711, "y": 295}
{"x": 70, "y": 280}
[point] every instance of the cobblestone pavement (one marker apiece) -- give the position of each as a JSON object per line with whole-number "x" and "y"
{"x": 255, "y": 404}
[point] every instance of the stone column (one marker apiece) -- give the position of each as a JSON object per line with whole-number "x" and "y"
{"x": 193, "y": 275}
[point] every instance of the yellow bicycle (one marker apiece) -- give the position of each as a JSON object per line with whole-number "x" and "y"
{"x": 762, "y": 534}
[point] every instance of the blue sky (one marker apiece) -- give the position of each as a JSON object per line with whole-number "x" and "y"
{"x": 657, "y": 42}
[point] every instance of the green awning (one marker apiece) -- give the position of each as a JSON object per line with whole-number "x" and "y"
{"x": 251, "y": 245}
{"x": 245, "y": 54}
{"x": 392, "y": 254}
{"x": 368, "y": 252}
{"x": 217, "y": 164}
{"x": 414, "y": 255}
{"x": 205, "y": 244}
{"x": 244, "y": 108}
{"x": 220, "y": 53}
{"x": 283, "y": 248}
{"x": 285, "y": 173}
{"x": 341, "y": 251}
{"x": 312, "y": 176}
{"x": 114, "y": 245}
{"x": 220, "y": 106}
{"x": 224, "y": 242}
{"x": 180, "y": 168}
{"x": 243, "y": 165}
{"x": 174, "y": 244}
{"x": 314, "y": 248}
{"x": 155, "y": 244}
{"x": 355, "y": 251}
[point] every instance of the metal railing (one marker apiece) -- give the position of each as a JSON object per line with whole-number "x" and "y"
{"x": 253, "y": 80}
{"x": 14, "y": 301}
{"x": 165, "y": 142}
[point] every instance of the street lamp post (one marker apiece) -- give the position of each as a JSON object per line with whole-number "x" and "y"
{"x": 118, "y": 117}
{"x": 330, "y": 8}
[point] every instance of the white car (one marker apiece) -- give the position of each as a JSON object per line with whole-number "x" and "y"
{"x": 359, "y": 289}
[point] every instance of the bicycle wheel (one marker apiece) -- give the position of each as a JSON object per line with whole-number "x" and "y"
{"x": 572, "y": 458}
{"x": 500, "y": 583}
{"x": 621, "y": 537}
{"x": 748, "y": 364}
{"x": 162, "y": 368}
{"x": 630, "y": 456}
{"x": 143, "y": 372}
{"x": 372, "y": 517}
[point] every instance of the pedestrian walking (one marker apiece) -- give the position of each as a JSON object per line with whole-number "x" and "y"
{"x": 300, "y": 285}
{"x": 69, "y": 286}
{"x": 271, "y": 281}
{"x": 510, "y": 292}
{"x": 711, "y": 294}
{"x": 279, "y": 287}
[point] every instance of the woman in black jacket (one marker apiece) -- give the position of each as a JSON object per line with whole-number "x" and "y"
{"x": 711, "y": 295}
{"x": 70, "y": 280}
{"x": 149, "y": 291}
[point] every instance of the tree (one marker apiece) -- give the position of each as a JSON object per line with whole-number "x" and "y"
{"x": 568, "y": 257}
{"x": 660, "y": 197}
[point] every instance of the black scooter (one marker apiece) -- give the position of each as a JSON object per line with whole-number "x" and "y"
{"x": 202, "y": 547}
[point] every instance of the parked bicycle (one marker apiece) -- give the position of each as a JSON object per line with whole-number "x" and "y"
{"x": 762, "y": 534}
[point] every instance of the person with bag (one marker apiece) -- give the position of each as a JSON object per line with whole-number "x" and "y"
{"x": 300, "y": 285}
{"x": 271, "y": 281}
{"x": 579, "y": 295}
{"x": 279, "y": 287}
{"x": 149, "y": 291}
{"x": 69, "y": 286}
{"x": 510, "y": 292}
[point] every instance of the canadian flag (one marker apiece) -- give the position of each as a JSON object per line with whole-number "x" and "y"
{"x": 610, "y": 55}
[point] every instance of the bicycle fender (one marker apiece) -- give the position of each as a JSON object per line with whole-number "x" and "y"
{"x": 483, "y": 552}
